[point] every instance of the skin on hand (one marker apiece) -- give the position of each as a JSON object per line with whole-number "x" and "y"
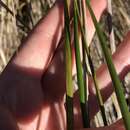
{"x": 7, "y": 122}
{"x": 116, "y": 126}
{"x": 33, "y": 83}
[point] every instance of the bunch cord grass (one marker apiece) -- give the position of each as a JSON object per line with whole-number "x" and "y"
{"x": 115, "y": 79}
{"x": 78, "y": 9}
{"x": 82, "y": 92}
{"x": 69, "y": 86}
{"x": 92, "y": 71}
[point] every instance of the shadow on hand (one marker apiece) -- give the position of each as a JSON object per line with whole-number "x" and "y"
{"x": 21, "y": 92}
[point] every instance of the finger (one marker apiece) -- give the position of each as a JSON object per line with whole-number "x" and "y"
{"x": 121, "y": 61}
{"x": 55, "y": 76}
{"x": 38, "y": 48}
{"x": 20, "y": 81}
{"x": 116, "y": 126}
{"x": 100, "y": 128}
{"x": 98, "y": 8}
{"x": 58, "y": 62}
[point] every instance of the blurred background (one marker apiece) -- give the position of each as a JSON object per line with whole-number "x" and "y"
{"x": 18, "y": 17}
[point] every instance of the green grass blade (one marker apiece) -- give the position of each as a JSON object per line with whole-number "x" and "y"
{"x": 92, "y": 73}
{"x": 69, "y": 86}
{"x": 68, "y": 66}
{"x": 115, "y": 79}
{"x": 100, "y": 100}
{"x": 85, "y": 62}
{"x": 79, "y": 70}
{"x": 78, "y": 60}
{"x": 80, "y": 6}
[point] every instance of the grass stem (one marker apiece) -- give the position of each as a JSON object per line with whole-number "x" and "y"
{"x": 115, "y": 79}
{"x": 69, "y": 85}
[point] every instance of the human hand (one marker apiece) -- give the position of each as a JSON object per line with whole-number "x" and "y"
{"x": 116, "y": 126}
{"x": 33, "y": 83}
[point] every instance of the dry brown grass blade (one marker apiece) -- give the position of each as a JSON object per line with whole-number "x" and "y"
{"x": 17, "y": 16}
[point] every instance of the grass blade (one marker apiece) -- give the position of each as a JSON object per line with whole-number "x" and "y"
{"x": 100, "y": 100}
{"x": 69, "y": 86}
{"x": 81, "y": 86}
{"x": 86, "y": 85}
{"x": 82, "y": 10}
{"x": 18, "y": 18}
{"x": 115, "y": 79}
{"x": 92, "y": 73}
